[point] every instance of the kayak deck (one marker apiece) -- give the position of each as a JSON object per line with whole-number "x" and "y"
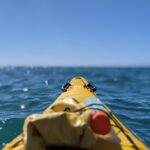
{"x": 120, "y": 139}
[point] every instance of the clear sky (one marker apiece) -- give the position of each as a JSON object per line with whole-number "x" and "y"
{"x": 75, "y": 32}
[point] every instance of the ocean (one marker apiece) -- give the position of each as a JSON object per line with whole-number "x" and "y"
{"x": 28, "y": 90}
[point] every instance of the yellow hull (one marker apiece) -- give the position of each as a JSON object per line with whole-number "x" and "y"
{"x": 124, "y": 138}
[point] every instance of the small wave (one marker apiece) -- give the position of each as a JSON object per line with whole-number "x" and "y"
{"x": 27, "y": 90}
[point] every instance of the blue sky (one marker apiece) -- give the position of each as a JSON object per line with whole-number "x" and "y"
{"x": 75, "y": 32}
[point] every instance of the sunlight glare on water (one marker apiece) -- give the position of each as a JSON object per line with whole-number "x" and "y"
{"x": 32, "y": 89}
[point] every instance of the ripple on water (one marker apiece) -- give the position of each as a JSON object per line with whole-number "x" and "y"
{"x": 27, "y": 90}
{"x": 10, "y": 129}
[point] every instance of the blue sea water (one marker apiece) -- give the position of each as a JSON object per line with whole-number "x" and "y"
{"x": 27, "y": 90}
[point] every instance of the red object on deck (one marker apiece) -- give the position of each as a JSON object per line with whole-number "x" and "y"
{"x": 100, "y": 122}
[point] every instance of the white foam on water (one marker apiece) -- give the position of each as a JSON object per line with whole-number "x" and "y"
{"x": 3, "y": 120}
{"x": 46, "y": 82}
{"x": 22, "y": 106}
{"x": 4, "y": 144}
{"x": 25, "y": 89}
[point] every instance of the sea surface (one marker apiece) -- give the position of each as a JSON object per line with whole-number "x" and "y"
{"x": 28, "y": 90}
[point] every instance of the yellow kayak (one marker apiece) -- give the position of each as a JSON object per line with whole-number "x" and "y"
{"x": 79, "y": 119}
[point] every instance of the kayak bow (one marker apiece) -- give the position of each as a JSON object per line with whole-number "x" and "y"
{"x": 78, "y": 100}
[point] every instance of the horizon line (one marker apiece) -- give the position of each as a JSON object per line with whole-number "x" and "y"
{"x": 82, "y": 66}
